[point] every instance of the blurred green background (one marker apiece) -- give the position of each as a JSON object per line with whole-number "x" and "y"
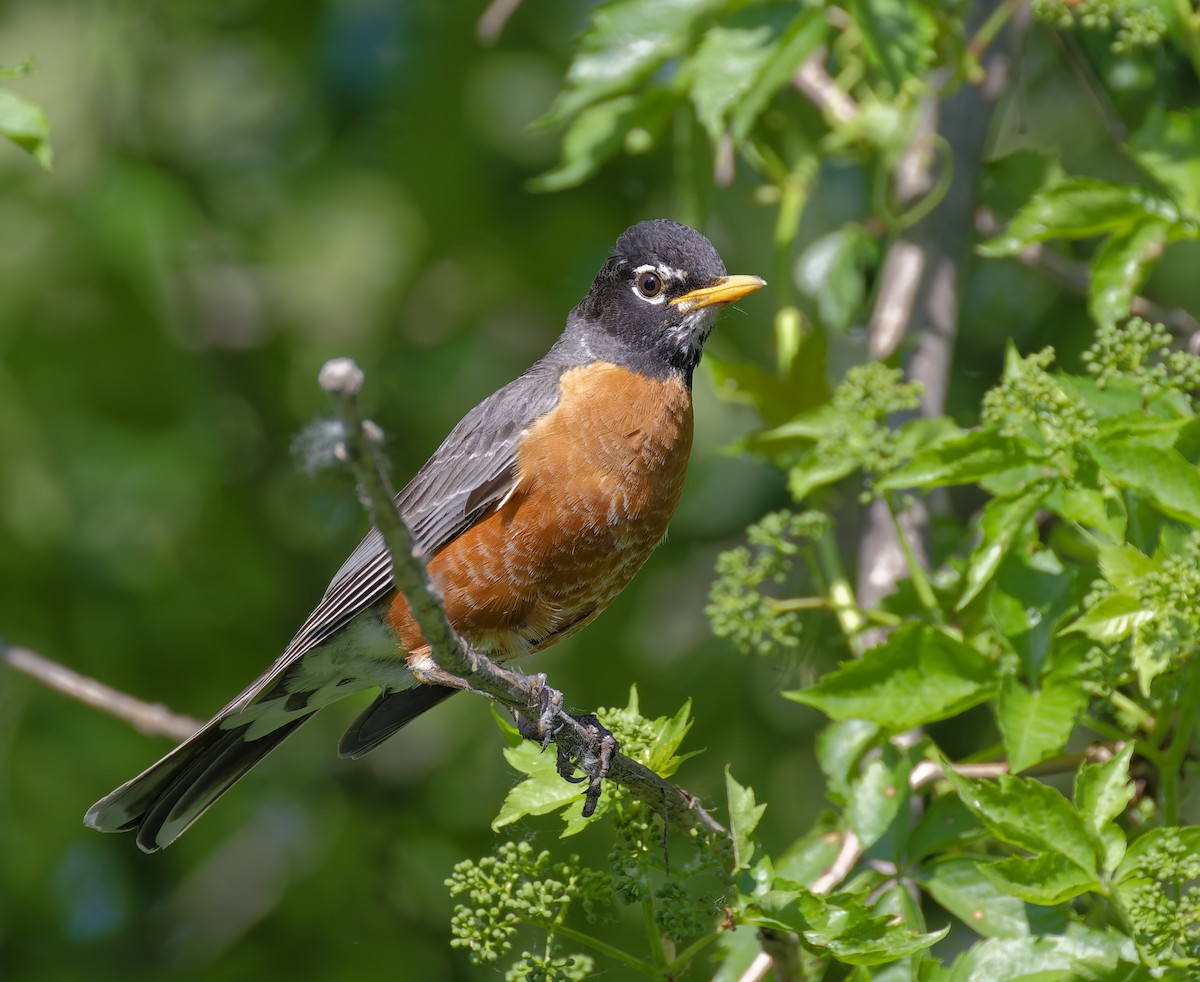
{"x": 241, "y": 191}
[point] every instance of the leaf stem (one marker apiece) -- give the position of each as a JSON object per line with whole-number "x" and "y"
{"x": 841, "y": 592}
{"x": 916, "y": 572}
{"x": 1176, "y": 751}
{"x": 654, "y": 936}
{"x": 691, "y": 951}
{"x": 611, "y": 951}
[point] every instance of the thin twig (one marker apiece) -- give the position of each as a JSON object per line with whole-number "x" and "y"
{"x": 492, "y": 20}
{"x": 821, "y": 89}
{"x": 454, "y": 662}
{"x": 843, "y": 864}
{"x": 757, "y": 970}
{"x": 151, "y": 718}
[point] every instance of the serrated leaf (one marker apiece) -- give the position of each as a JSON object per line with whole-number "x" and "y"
{"x": 1124, "y": 566}
{"x": 1101, "y": 793}
{"x": 722, "y": 71}
{"x": 1036, "y": 724}
{"x": 844, "y": 926}
{"x": 624, "y": 43}
{"x": 1002, "y": 521}
{"x": 744, "y": 815}
{"x": 1162, "y": 476}
{"x": 976, "y": 455}
{"x": 1120, "y": 266}
{"x": 661, "y": 756}
{"x": 1027, "y": 813}
{"x": 958, "y": 885}
{"x": 1077, "y": 208}
{"x": 814, "y": 473}
{"x": 899, "y": 36}
{"x": 1167, "y": 145}
{"x": 1112, "y": 619}
{"x": 1046, "y": 879}
{"x": 541, "y": 792}
{"x": 26, "y": 125}
{"x": 918, "y": 675}
{"x": 805, "y": 429}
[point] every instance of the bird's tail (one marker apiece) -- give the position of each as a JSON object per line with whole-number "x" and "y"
{"x": 163, "y": 801}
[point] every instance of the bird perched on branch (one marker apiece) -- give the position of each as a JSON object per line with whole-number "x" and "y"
{"x": 533, "y": 515}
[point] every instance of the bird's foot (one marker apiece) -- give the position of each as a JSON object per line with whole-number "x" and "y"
{"x": 595, "y": 759}
{"x": 546, "y": 726}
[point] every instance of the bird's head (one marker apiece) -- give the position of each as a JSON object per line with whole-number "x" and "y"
{"x": 659, "y": 293}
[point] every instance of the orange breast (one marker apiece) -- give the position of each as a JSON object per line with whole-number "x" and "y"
{"x": 599, "y": 478}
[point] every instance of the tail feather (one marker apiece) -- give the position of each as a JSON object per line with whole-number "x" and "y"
{"x": 162, "y": 802}
{"x": 390, "y": 711}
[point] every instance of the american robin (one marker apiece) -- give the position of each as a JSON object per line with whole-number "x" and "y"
{"x": 534, "y": 514}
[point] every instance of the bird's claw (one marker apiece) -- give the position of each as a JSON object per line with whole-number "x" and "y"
{"x": 595, "y": 759}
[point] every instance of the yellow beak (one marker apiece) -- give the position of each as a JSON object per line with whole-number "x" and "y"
{"x": 726, "y": 290}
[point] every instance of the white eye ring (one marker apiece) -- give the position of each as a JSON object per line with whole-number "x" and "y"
{"x": 649, "y": 284}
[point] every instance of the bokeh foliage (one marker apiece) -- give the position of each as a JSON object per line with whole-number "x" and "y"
{"x": 243, "y": 190}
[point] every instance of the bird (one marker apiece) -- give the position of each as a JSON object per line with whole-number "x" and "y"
{"x": 533, "y": 515}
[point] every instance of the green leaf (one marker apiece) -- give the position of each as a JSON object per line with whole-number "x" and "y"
{"x": 876, "y": 798}
{"x": 541, "y": 792}
{"x": 744, "y": 815}
{"x": 800, "y": 39}
{"x": 660, "y": 756}
{"x": 626, "y": 41}
{"x": 899, "y": 36}
{"x": 839, "y": 748}
{"x": 1162, "y": 476}
{"x": 1080, "y": 955}
{"x": 1101, "y": 793}
{"x": 1033, "y": 593}
{"x": 1101, "y": 511}
{"x": 807, "y": 477}
{"x": 27, "y": 126}
{"x": 1167, "y": 145}
{"x": 722, "y": 71}
{"x": 1120, "y": 266}
{"x": 1112, "y": 619}
{"x": 807, "y": 428}
{"x": 832, "y": 271}
{"x": 1002, "y": 521}
{"x": 1124, "y": 566}
{"x": 1077, "y": 208}
{"x": 846, "y": 928}
{"x": 975, "y": 455}
{"x": 813, "y": 853}
{"x": 958, "y": 885}
{"x": 595, "y": 134}
{"x": 945, "y": 823}
{"x": 1036, "y": 724}
{"x": 1027, "y": 813}
{"x": 918, "y": 675}
{"x": 1047, "y": 879}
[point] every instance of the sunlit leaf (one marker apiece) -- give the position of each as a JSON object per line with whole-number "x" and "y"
{"x": 1077, "y": 208}
{"x": 27, "y": 126}
{"x": 1167, "y": 145}
{"x": 1036, "y": 723}
{"x": 918, "y": 675}
{"x": 1121, "y": 265}
{"x": 1163, "y": 476}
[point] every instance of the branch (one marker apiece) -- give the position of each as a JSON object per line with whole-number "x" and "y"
{"x": 455, "y": 662}
{"x": 151, "y": 718}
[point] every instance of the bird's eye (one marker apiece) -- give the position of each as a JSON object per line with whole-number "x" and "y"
{"x": 649, "y": 283}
